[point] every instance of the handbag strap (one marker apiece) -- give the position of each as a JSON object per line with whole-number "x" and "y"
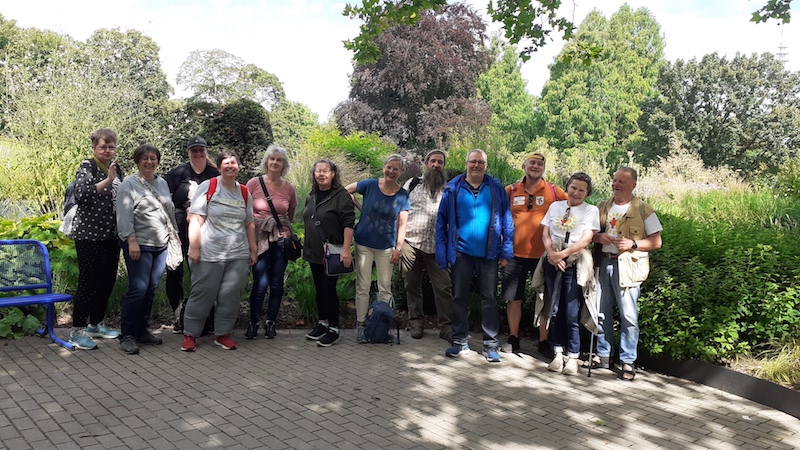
{"x": 319, "y": 230}
{"x": 150, "y": 188}
{"x": 271, "y": 206}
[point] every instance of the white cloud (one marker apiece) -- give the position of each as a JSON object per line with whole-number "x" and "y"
{"x": 300, "y": 41}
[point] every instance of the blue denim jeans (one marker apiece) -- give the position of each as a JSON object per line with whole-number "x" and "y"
{"x": 144, "y": 275}
{"x": 461, "y": 275}
{"x": 564, "y": 331}
{"x": 268, "y": 273}
{"x": 626, "y": 299}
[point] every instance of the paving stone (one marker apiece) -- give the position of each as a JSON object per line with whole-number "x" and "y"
{"x": 407, "y": 396}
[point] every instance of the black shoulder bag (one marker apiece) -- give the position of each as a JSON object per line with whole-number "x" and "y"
{"x": 291, "y": 245}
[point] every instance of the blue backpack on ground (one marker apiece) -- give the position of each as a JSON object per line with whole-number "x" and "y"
{"x": 378, "y": 323}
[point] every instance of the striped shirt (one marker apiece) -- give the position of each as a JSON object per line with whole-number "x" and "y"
{"x": 421, "y": 228}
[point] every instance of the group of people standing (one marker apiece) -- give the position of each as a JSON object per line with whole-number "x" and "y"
{"x": 214, "y": 217}
{"x": 532, "y": 230}
{"x": 471, "y": 227}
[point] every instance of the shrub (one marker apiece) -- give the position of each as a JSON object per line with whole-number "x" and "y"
{"x": 716, "y": 290}
{"x": 788, "y": 180}
{"x": 63, "y": 264}
{"x": 682, "y": 174}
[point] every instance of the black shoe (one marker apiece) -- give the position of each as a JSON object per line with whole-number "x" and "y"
{"x": 546, "y": 350}
{"x": 271, "y": 332}
{"x": 177, "y": 327}
{"x": 128, "y": 345}
{"x": 317, "y": 332}
{"x": 511, "y": 345}
{"x": 328, "y": 338}
{"x": 252, "y": 331}
{"x": 149, "y": 339}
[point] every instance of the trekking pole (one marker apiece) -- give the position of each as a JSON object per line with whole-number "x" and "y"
{"x": 591, "y": 355}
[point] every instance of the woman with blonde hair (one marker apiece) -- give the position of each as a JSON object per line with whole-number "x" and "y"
{"x": 379, "y": 234}
{"x": 272, "y": 196}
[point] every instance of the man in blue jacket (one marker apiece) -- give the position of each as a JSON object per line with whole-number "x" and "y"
{"x": 474, "y": 233}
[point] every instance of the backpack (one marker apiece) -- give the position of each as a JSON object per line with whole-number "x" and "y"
{"x": 379, "y": 322}
{"x": 414, "y": 183}
{"x": 212, "y": 188}
{"x": 69, "y": 197}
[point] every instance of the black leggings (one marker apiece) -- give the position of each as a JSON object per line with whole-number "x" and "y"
{"x": 174, "y": 283}
{"x": 327, "y": 298}
{"x": 97, "y": 265}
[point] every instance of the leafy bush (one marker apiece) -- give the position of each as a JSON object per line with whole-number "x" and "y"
{"x": 367, "y": 149}
{"x": 16, "y": 322}
{"x": 788, "y": 180}
{"x": 716, "y": 290}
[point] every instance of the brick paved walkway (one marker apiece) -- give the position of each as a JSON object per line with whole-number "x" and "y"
{"x": 288, "y": 393}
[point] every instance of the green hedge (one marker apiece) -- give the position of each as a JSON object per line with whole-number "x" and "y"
{"x": 725, "y": 281}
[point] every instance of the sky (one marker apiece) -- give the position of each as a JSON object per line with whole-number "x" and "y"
{"x": 300, "y": 41}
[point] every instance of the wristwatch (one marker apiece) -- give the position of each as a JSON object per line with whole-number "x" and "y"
{"x": 634, "y": 246}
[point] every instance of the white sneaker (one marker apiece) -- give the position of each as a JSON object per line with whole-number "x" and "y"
{"x": 557, "y": 365}
{"x": 571, "y": 367}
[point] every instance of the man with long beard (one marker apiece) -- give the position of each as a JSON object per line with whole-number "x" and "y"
{"x": 419, "y": 248}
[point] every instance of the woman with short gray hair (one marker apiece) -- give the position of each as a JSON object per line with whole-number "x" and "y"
{"x": 269, "y": 269}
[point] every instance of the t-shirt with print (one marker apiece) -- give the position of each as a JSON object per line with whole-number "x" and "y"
{"x": 223, "y": 236}
{"x": 377, "y": 227}
{"x": 528, "y": 211}
{"x": 580, "y": 218}
{"x": 616, "y": 213}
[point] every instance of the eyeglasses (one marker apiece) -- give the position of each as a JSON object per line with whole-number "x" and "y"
{"x": 104, "y": 148}
{"x": 322, "y": 172}
{"x": 197, "y": 149}
{"x": 477, "y": 162}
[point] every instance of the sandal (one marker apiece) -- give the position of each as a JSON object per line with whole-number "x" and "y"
{"x": 598, "y": 362}
{"x": 628, "y": 372}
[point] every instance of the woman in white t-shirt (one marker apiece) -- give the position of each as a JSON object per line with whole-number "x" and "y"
{"x": 222, "y": 247}
{"x": 568, "y": 228}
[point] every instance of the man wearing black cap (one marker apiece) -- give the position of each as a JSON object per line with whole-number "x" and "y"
{"x": 183, "y": 181}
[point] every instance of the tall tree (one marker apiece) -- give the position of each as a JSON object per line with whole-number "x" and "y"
{"x": 424, "y": 86}
{"x": 522, "y": 21}
{"x": 219, "y": 76}
{"x": 61, "y": 90}
{"x": 598, "y": 103}
{"x": 292, "y": 123}
{"x": 503, "y": 88}
{"x": 743, "y": 113}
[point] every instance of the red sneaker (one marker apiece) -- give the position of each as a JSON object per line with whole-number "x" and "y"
{"x": 189, "y": 343}
{"x": 225, "y": 342}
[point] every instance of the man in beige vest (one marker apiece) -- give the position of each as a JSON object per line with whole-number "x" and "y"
{"x": 629, "y": 228}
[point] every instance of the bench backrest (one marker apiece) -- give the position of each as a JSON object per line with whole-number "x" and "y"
{"x": 24, "y": 265}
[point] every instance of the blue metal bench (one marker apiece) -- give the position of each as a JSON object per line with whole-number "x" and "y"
{"x": 24, "y": 268}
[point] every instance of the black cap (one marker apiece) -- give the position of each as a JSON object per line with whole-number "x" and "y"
{"x": 197, "y": 141}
